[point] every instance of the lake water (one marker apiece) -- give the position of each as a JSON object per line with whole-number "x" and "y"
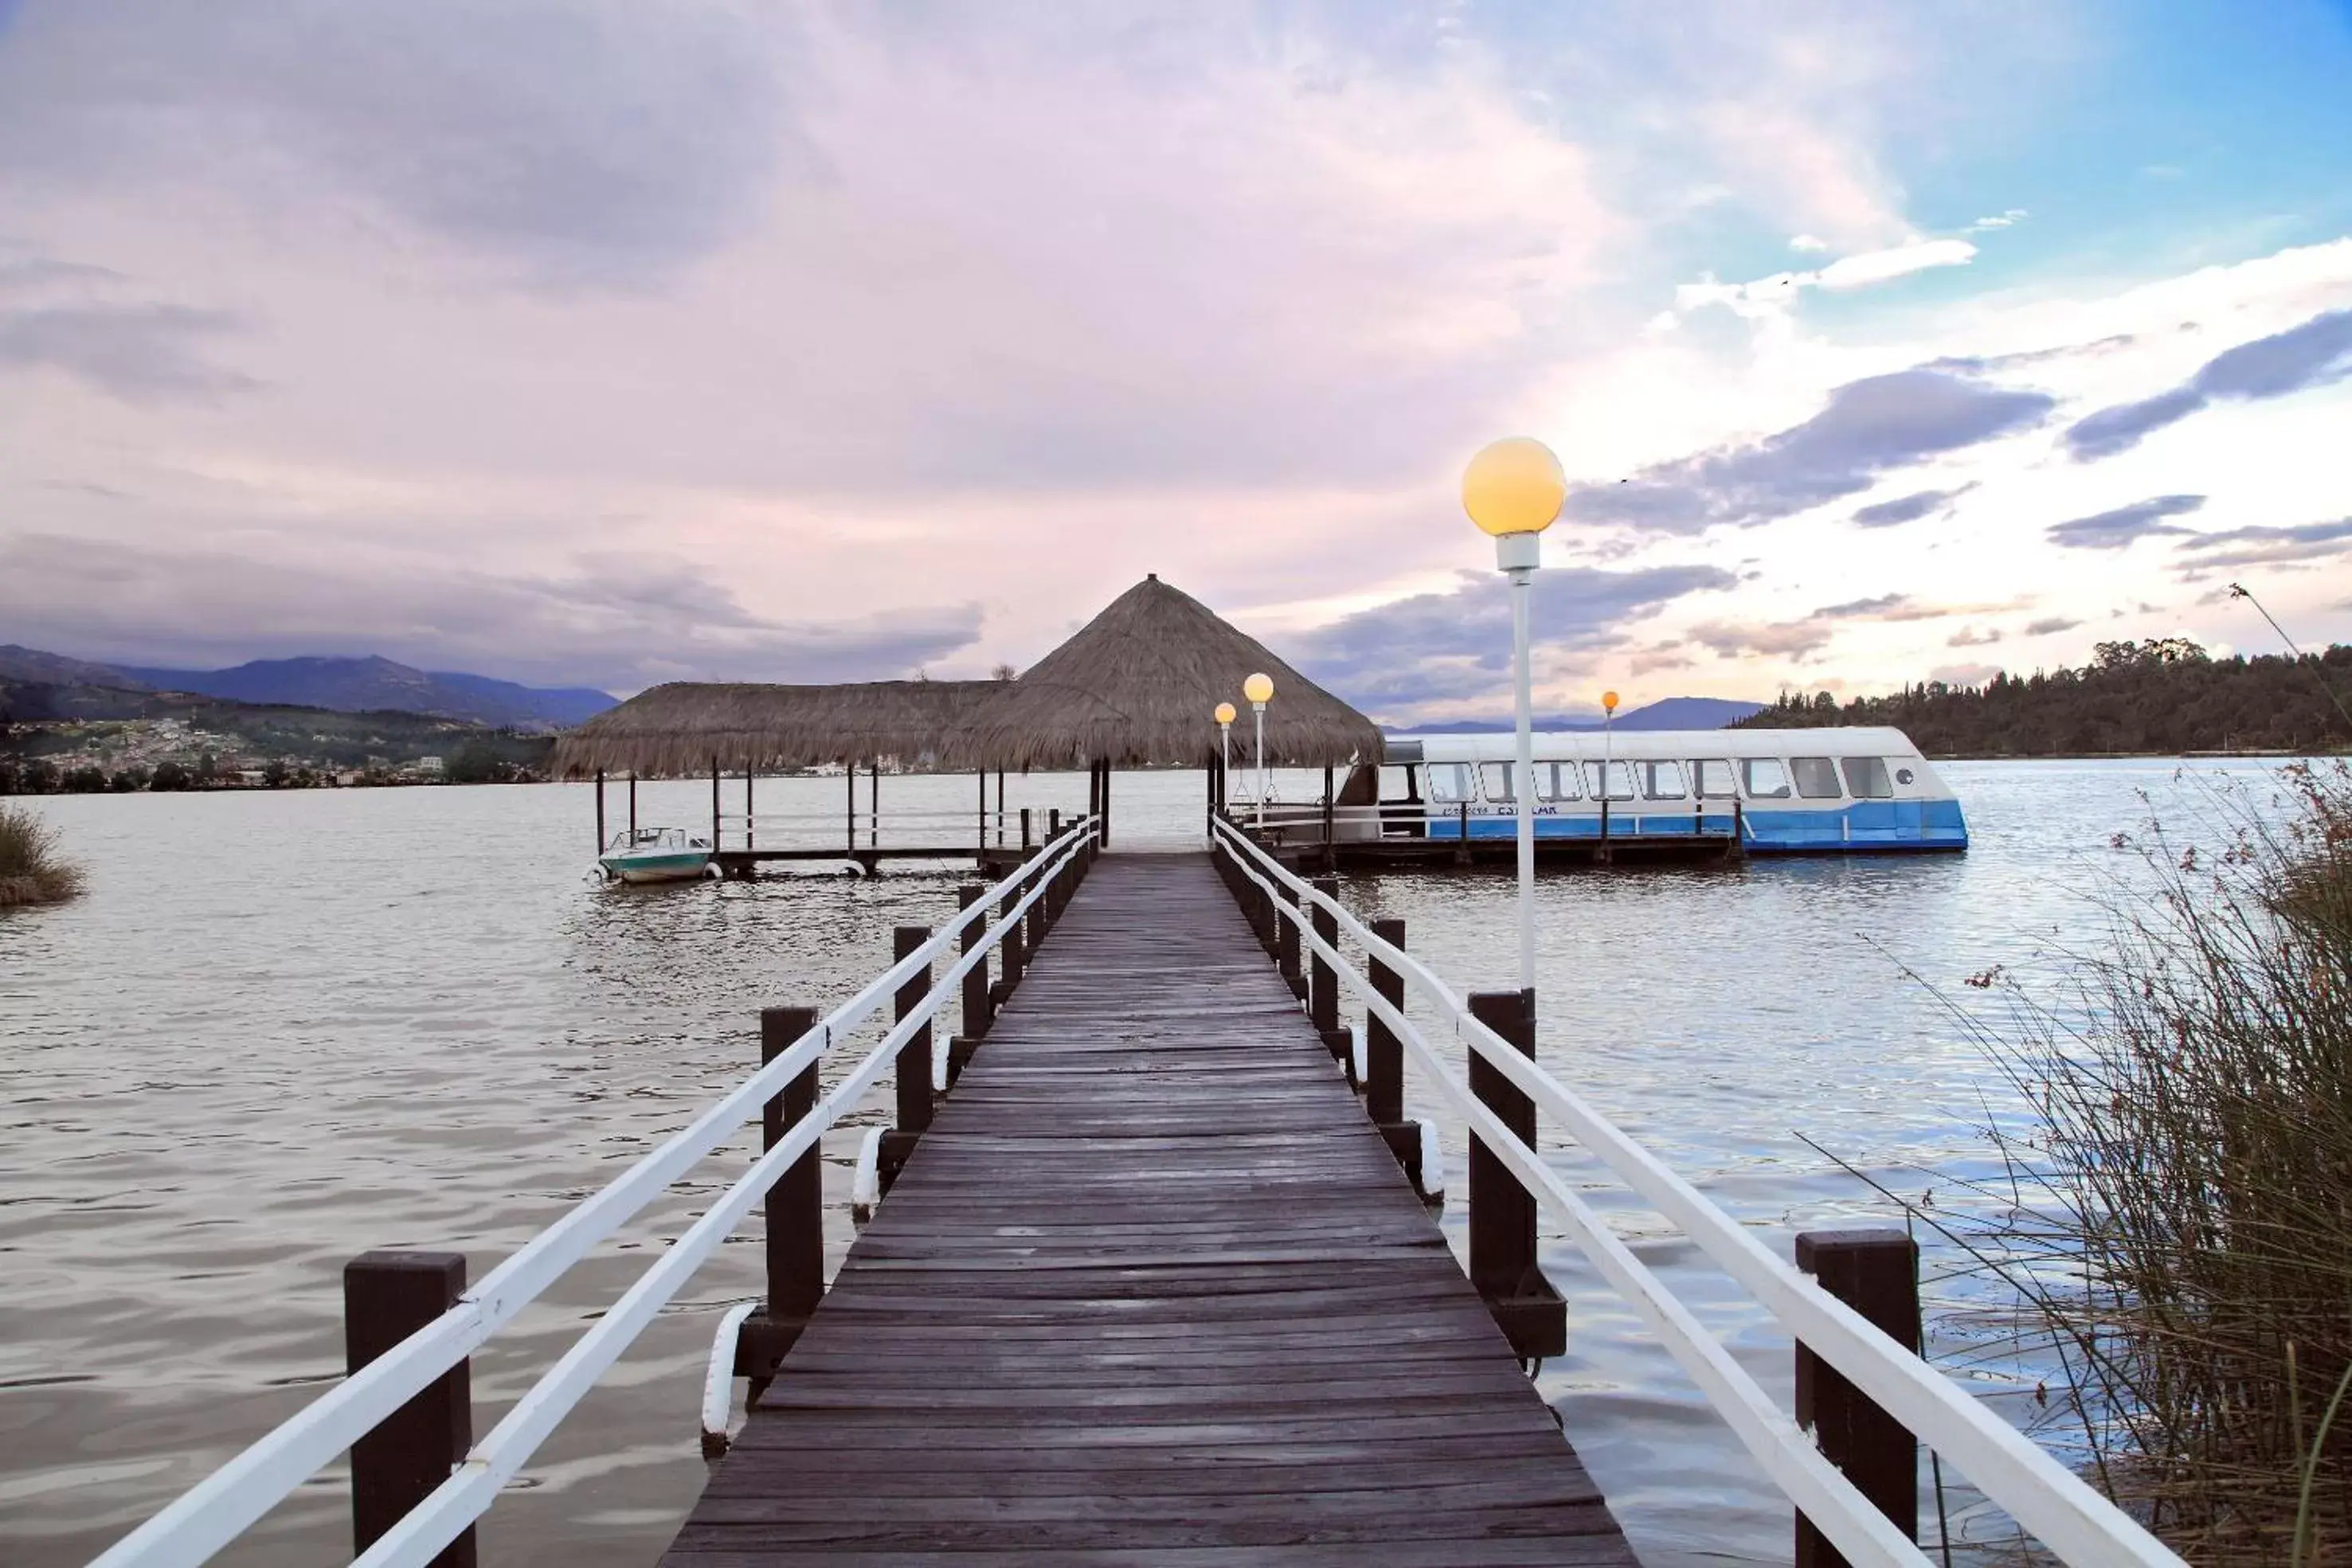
{"x": 281, "y": 1029}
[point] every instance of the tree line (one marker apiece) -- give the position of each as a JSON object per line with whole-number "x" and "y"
{"x": 2163, "y": 697}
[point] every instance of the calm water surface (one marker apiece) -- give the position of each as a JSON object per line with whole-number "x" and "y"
{"x": 281, "y": 1029}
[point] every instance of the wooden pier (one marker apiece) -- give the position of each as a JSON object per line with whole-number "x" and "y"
{"x": 1150, "y": 1290}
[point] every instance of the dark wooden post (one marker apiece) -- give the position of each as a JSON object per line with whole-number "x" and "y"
{"x": 387, "y": 1296}
{"x": 1106, "y": 800}
{"x": 1331, "y": 855}
{"x": 1384, "y": 1059}
{"x": 714, "y": 799}
{"x": 913, "y": 1108}
{"x": 1604, "y": 854}
{"x": 1024, "y": 832}
{"x": 1010, "y": 957}
{"x": 1057, "y": 884}
{"x": 1040, "y": 879}
{"x": 750, "y": 814}
{"x": 982, "y": 819}
{"x": 600, "y": 810}
{"x": 1000, "y": 808}
{"x": 1738, "y": 831}
{"x": 961, "y": 1044}
{"x": 1461, "y": 836}
{"x": 1323, "y": 980}
{"x": 794, "y": 1212}
{"x": 633, "y": 804}
{"x": 1503, "y": 1262}
{"x": 849, "y": 776}
{"x": 1285, "y": 953}
{"x": 874, "y": 804}
{"x": 1875, "y": 1272}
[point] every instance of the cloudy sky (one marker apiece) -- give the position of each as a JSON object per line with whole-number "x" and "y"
{"x": 613, "y": 341}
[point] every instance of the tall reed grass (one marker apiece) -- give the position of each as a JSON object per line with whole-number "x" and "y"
{"x": 2179, "y": 1208}
{"x": 31, "y": 869}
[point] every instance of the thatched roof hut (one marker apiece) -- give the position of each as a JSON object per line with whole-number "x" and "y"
{"x": 1135, "y": 686}
{"x": 680, "y": 727}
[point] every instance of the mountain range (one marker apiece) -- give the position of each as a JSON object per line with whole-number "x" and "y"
{"x": 1666, "y": 713}
{"x": 341, "y": 685}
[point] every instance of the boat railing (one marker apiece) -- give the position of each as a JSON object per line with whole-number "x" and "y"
{"x": 232, "y": 1499}
{"x": 2071, "y": 1519}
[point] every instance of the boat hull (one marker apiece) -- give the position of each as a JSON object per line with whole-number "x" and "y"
{"x": 674, "y": 865}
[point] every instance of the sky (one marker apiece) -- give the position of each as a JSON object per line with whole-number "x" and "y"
{"x": 616, "y": 341}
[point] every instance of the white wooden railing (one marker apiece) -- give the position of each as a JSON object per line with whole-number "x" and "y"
{"x": 222, "y": 1506}
{"x": 2073, "y": 1521}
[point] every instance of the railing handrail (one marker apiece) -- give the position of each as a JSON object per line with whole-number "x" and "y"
{"x": 2069, "y": 1517}
{"x": 217, "y": 1510}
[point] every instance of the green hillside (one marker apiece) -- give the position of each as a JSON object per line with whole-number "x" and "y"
{"x": 2157, "y": 697}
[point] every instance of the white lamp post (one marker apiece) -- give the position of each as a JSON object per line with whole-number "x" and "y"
{"x": 1513, "y": 489}
{"x": 1224, "y": 750}
{"x": 1259, "y": 689}
{"x": 1608, "y": 738}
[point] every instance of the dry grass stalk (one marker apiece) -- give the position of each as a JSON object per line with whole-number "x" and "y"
{"x": 2179, "y": 1217}
{"x": 31, "y": 871}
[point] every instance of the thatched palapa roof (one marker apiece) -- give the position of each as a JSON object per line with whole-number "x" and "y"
{"x": 1136, "y": 685}
{"x": 679, "y": 729}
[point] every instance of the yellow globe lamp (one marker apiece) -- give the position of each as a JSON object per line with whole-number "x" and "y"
{"x": 1609, "y": 701}
{"x": 1513, "y": 489}
{"x": 1226, "y": 714}
{"x": 1259, "y": 689}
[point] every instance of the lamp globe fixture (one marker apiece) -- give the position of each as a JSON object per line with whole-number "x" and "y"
{"x": 1514, "y": 486}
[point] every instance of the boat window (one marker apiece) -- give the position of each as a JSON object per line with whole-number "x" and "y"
{"x": 1449, "y": 781}
{"x": 1714, "y": 780}
{"x": 1660, "y": 781}
{"x": 1557, "y": 781}
{"x": 1494, "y": 780}
{"x": 1817, "y": 777}
{"x": 1621, "y": 780}
{"x": 1764, "y": 778}
{"x": 1396, "y": 784}
{"x": 1866, "y": 778}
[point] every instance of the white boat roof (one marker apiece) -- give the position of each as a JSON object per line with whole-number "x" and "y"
{"x": 1827, "y": 741}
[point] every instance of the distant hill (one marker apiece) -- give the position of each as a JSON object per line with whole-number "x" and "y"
{"x": 32, "y": 665}
{"x": 339, "y": 686}
{"x": 1666, "y": 713}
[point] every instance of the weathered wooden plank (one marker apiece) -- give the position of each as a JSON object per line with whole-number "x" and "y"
{"x": 1150, "y": 1293}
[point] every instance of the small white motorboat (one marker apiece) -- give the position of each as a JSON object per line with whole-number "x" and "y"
{"x": 655, "y": 855}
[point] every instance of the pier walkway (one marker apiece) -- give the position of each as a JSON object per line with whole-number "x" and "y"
{"x": 1150, "y": 1290}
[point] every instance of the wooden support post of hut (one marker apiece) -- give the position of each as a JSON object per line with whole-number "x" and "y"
{"x": 600, "y": 810}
